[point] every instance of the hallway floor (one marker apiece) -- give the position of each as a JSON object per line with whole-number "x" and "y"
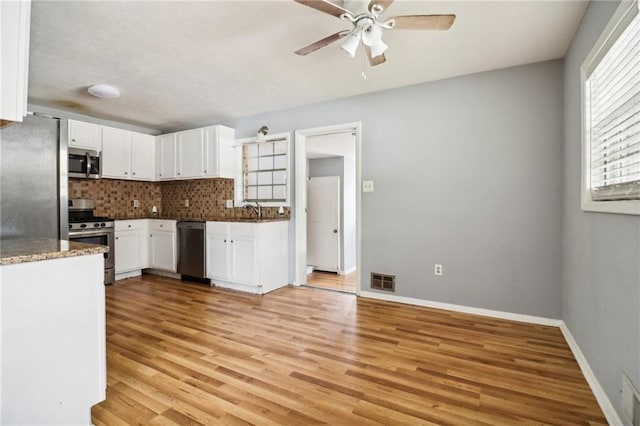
{"x": 333, "y": 281}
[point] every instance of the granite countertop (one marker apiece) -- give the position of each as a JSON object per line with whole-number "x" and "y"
{"x": 210, "y": 219}
{"x": 27, "y": 250}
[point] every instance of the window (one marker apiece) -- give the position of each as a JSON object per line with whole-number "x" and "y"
{"x": 265, "y": 170}
{"x": 611, "y": 83}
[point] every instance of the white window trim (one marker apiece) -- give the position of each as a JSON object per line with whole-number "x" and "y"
{"x": 239, "y": 180}
{"x": 604, "y": 42}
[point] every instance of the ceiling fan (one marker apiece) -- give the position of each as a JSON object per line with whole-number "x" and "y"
{"x": 368, "y": 26}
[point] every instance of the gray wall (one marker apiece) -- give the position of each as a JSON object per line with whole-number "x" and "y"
{"x": 468, "y": 174}
{"x": 601, "y": 261}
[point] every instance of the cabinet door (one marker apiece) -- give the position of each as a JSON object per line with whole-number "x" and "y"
{"x": 84, "y": 135}
{"x": 142, "y": 156}
{"x": 116, "y": 153}
{"x": 190, "y": 151}
{"x": 15, "y": 16}
{"x": 218, "y": 256}
{"x": 163, "y": 251}
{"x": 128, "y": 249}
{"x": 211, "y": 157}
{"x": 243, "y": 257}
{"x": 167, "y": 157}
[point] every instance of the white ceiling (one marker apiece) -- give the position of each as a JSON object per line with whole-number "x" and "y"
{"x": 181, "y": 64}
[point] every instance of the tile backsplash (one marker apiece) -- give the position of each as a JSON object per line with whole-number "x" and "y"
{"x": 207, "y": 198}
{"x": 114, "y": 198}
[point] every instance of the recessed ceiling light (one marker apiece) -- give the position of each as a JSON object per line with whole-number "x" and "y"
{"x": 104, "y": 91}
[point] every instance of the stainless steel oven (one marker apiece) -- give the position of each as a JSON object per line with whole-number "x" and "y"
{"x": 102, "y": 236}
{"x": 84, "y": 163}
{"x": 84, "y": 227}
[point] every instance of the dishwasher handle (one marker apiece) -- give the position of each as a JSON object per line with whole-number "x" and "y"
{"x": 199, "y": 226}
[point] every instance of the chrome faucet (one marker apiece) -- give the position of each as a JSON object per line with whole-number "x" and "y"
{"x": 257, "y": 209}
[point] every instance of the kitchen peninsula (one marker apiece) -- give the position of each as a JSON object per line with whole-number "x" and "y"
{"x": 53, "y": 358}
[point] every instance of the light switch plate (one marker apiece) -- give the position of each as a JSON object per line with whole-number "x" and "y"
{"x": 367, "y": 186}
{"x": 229, "y": 204}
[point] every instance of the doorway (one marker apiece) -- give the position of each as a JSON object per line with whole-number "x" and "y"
{"x": 327, "y": 207}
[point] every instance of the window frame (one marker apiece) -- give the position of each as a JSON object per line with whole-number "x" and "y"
{"x": 617, "y": 24}
{"x": 239, "y": 181}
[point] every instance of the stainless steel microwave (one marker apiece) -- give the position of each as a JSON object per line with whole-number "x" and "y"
{"x": 84, "y": 163}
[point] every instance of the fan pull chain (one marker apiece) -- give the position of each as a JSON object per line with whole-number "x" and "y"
{"x": 364, "y": 63}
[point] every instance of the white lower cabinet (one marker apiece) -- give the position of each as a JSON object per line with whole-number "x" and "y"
{"x": 250, "y": 257}
{"x": 162, "y": 245}
{"x": 130, "y": 245}
{"x": 144, "y": 243}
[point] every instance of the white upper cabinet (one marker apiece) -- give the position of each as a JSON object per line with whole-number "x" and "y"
{"x": 207, "y": 152}
{"x": 143, "y": 149}
{"x": 198, "y": 153}
{"x": 127, "y": 155}
{"x": 190, "y": 150}
{"x": 166, "y": 157}
{"x": 84, "y": 135}
{"x": 220, "y": 155}
{"x": 15, "y": 21}
{"x": 116, "y": 153}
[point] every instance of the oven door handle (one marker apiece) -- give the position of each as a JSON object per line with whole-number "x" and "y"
{"x": 89, "y": 233}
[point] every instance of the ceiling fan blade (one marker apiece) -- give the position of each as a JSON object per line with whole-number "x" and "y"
{"x": 373, "y": 61}
{"x": 325, "y": 6}
{"x": 383, "y": 4}
{"x": 423, "y": 22}
{"x": 320, "y": 43}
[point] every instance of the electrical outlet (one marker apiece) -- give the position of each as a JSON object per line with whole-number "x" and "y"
{"x": 186, "y": 203}
{"x": 437, "y": 269}
{"x": 229, "y": 204}
{"x": 136, "y": 204}
{"x": 367, "y": 186}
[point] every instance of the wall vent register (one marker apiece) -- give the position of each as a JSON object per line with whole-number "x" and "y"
{"x": 383, "y": 281}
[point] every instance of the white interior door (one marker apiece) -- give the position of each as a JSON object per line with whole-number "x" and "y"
{"x": 323, "y": 223}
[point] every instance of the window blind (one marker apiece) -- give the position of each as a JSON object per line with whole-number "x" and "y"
{"x": 265, "y": 171}
{"x": 613, "y": 118}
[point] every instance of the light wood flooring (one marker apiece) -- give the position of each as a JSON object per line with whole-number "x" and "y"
{"x": 187, "y": 354}
{"x": 333, "y": 281}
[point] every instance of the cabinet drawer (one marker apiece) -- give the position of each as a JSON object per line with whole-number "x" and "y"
{"x": 220, "y": 228}
{"x": 126, "y": 225}
{"x": 162, "y": 225}
{"x": 243, "y": 229}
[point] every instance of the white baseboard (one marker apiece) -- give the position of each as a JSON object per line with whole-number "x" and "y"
{"x": 465, "y": 309}
{"x": 602, "y": 398}
{"x": 347, "y": 272}
{"x": 162, "y": 273}
{"x": 130, "y": 274}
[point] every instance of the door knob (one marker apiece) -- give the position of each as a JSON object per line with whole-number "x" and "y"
{"x": 335, "y": 231}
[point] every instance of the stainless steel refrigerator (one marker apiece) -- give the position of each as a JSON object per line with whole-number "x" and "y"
{"x": 33, "y": 179}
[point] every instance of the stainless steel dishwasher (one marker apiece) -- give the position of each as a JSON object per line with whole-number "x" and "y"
{"x": 192, "y": 251}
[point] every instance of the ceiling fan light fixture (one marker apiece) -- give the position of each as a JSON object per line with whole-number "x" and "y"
{"x": 378, "y": 49}
{"x": 372, "y": 35}
{"x": 351, "y": 44}
{"x": 104, "y": 91}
